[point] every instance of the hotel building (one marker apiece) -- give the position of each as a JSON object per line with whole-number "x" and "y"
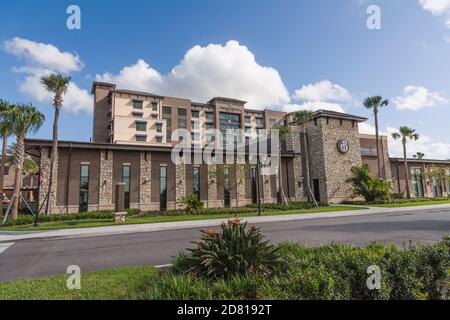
{"x": 133, "y": 139}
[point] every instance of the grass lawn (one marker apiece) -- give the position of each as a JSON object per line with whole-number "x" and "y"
{"x": 89, "y": 223}
{"x": 412, "y": 204}
{"x": 109, "y": 284}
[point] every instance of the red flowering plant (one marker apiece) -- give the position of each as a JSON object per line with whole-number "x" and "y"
{"x": 234, "y": 250}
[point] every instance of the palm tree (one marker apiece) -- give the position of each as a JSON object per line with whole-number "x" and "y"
{"x": 302, "y": 117}
{"x": 5, "y": 132}
{"x": 375, "y": 103}
{"x": 419, "y": 155}
{"x": 29, "y": 165}
{"x": 406, "y": 133}
{"x": 57, "y": 85}
{"x": 26, "y": 119}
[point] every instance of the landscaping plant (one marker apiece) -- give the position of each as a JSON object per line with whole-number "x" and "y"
{"x": 366, "y": 186}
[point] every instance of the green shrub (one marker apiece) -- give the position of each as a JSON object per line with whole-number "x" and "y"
{"x": 368, "y": 187}
{"x": 290, "y": 206}
{"x": 236, "y": 250}
{"x": 192, "y": 203}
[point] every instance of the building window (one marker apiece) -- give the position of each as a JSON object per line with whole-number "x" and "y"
{"x": 169, "y": 130}
{"x": 195, "y": 114}
{"x": 248, "y": 119}
{"x": 210, "y": 116}
{"x": 437, "y": 187}
{"x": 417, "y": 186}
{"x": 167, "y": 110}
{"x": 138, "y": 104}
{"x": 195, "y": 125}
{"x": 84, "y": 188}
{"x": 163, "y": 188}
{"x": 196, "y": 181}
{"x": 226, "y": 187}
{"x": 6, "y": 171}
{"x": 159, "y": 127}
{"x": 141, "y": 138}
{"x": 154, "y": 116}
{"x": 248, "y": 130}
{"x": 138, "y": 114}
{"x": 259, "y": 122}
{"x": 272, "y": 122}
{"x": 159, "y": 139}
{"x": 154, "y": 106}
{"x": 209, "y": 126}
{"x": 181, "y": 112}
{"x": 126, "y": 174}
{"x": 141, "y": 126}
{"x": 182, "y": 123}
{"x": 229, "y": 122}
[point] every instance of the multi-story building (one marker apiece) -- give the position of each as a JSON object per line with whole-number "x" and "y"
{"x": 133, "y": 139}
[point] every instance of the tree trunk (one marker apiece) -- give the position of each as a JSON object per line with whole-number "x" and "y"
{"x": 377, "y": 138}
{"x": 2, "y": 178}
{"x": 408, "y": 192}
{"x": 54, "y": 158}
{"x": 20, "y": 153}
{"x": 307, "y": 173}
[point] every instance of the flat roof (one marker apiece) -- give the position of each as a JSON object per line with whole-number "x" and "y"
{"x": 340, "y": 115}
{"x": 413, "y": 160}
{"x": 227, "y": 99}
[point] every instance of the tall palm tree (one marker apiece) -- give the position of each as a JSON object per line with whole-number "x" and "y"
{"x": 26, "y": 119}
{"x": 5, "y": 132}
{"x": 406, "y": 133}
{"x": 283, "y": 132}
{"x": 375, "y": 103}
{"x": 56, "y": 84}
{"x": 302, "y": 117}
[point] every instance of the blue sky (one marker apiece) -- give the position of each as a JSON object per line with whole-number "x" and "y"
{"x": 279, "y": 54}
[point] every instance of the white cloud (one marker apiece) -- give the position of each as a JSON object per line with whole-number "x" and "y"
{"x": 431, "y": 149}
{"x": 43, "y": 55}
{"x": 322, "y": 91}
{"x": 366, "y": 128}
{"x": 44, "y": 59}
{"x": 204, "y": 72}
{"x": 416, "y": 98}
{"x": 436, "y": 7}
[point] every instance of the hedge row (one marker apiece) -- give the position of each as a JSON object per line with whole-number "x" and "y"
{"x": 395, "y": 201}
{"x": 330, "y": 272}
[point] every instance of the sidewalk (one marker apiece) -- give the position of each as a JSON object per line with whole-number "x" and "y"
{"x": 8, "y": 236}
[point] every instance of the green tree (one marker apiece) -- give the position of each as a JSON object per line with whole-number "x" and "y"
{"x": 29, "y": 165}
{"x": 5, "y": 132}
{"x": 283, "y": 132}
{"x": 26, "y": 119}
{"x": 56, "y": 84}
{"x": 369, "y": 187}
{"x": 303, "y": 117}
{"x": 419, "y": 155}
{"x": 439, "y": 174}
{"x": 375, "y": 103}
{"x": 406, "y": 134}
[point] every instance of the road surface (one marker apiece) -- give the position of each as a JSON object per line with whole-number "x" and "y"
{"x": 34, "y": 258}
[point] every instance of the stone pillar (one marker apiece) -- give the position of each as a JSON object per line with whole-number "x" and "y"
{"x": 212, "y": 183}
{"x": 145, "y": 178}
{"x": 296, "y": 147}
{"x": 106, "y": 180}
{"x": 240, "y": 178}
{"x": 119, "y": 212}
{"x": 45, "y": 176}
{"x": 267, "y": 188}
{"x": 180, "y": 184}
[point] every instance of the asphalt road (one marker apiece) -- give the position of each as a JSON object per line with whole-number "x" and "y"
{"x": 34, "y": 258}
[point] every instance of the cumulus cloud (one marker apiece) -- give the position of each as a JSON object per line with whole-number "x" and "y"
{"x": 432, "y": 149}
{"x": 322, "y": 91}
{"x": 416, "y": 98}
{"x": 204, "y": 72}
{"x": 43, "y": 59}
{"x": 439, "y": 8}
{"x": 44, "y": 55}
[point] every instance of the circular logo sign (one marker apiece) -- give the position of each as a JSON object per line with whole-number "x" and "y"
{"x": 343, "y": 146}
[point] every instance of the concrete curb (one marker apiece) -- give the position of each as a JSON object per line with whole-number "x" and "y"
{"x": 152, "y": 227}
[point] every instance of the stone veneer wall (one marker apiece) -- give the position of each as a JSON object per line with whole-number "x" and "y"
{"x": 241, "y": 173}
{"x": 106, "y": 180}
{"x": 212, "y": 183}
{"x": 45, "y": 176}
{"x": 145, "y": 179}
{"x": 295, "y": 145}
{"x": 180, "y": 184}
{"x": 329, "y": 166}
